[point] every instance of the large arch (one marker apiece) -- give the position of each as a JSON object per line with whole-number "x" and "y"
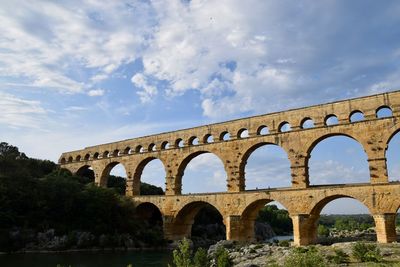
{"x": 199, "y": 182}
{"x": 392, "y": 155}
{"x": 337, "y": 157}
{"x": 248, "y": 224}
{"x": 107, "y": 171}
{"x": 149, "y": 212}
{"x": 140, "y": 168}
{"x": 86, "y": 171}
{"x": 185, "y": 217}
{"x": 274, "y": 175}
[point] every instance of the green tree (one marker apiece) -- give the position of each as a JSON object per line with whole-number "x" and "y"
{"x": 182, "y": 255}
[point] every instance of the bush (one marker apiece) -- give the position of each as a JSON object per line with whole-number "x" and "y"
{"x": 284, "y": 243}
{"x": 182, "y": 256}
{"x": 366, "y": 252}
{"x": 305, "y": 258}
{"x": 222, "y": 257}
{"x": 339, "y": 257}
{"x": 323, "y": 230}
{"x": 200, "y": 258}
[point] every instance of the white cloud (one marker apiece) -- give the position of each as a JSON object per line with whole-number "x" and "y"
{"x": 148, "y": 91}
{"x": 96, "y": 92}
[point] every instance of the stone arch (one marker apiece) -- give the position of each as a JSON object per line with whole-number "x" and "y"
{"x": 322, "y": 138}
{"x": 317, "y": 207}
{"x": 262, "y": 130}
{"x": 87, "y": 157}
{"x": 208, "y": 138}
{"x": 385, "y": 109}
{"x": 356, "y": 115}
{"x": 78, "y": 158}
{"x": 183, "y": 164}
{"x": 284, "y": 127}
{"x": 63, "y": 161}
{"x": 139, "y": 149}
{"x": 242, "y": 133}
{"x": 96, "y": 155}
{"x": 165, "y": 145}
{"x": 149, "y": 211}
{"x": 249, "y": 215}
{"x": 331, "y": 119}
{"x": 307, "y": 123}
{"x": 248, "y": 152}
{"x": 115, "y": 153}
{"x": 137, "y": 174}
{"x": 86, "y": 171}
{"x": 107, "y": 170}
{"x": 106, "y": 154}
{"x": 70, "y": 159}
{"x": 392, "y": 156}
{"x": 127, "y": 150}
{"x": 193, "y": 141}
{"x": 224, "y": 136}
{"x": 185, "y": 216}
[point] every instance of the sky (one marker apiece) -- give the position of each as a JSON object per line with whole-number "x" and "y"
{"x": 80, "y": 73}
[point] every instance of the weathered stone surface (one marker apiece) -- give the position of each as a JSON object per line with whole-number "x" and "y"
{"x": 239, "y": 207}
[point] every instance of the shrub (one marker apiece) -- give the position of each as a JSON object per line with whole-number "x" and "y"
{"x": 305, "y": 258}
{"x": 323, "y": 230}
{"x": 366, "y": 252}
{"x": 200, "y": 258}
{"x": 339, "y": 257}
{"x": 284, "y": 243}
{"x": 222, "y": 257}
{"x": 182, "y": 255}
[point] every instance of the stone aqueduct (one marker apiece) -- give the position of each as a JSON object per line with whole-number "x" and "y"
{"x": 239, "y": 207}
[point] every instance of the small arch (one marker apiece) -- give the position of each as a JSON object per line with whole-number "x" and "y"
{"x": 262, "y": 130}
{"x": 127, "y": 150}
{"x": 152, "y": 147}
{"x": 356, "y": 116}
{"x": 165, "y": 145}
{"x": 179, "y": 143}
{"x": 224, "y": 136}
{"x": 243, "y": 133}
{"x": 87, "y": 156}
{"x": 70, "y": 159}
{"x": 62, "y": 161}
{"x": 115, "y": 153}
{"x": 96, "y": 155}
{"x": 331, "y": 119}
{"x": 384, "y": 112}
{"x": 106, "y": 154}
{"x": 307, "y": 123}
{"x": 194, "y": 141}
{"x": 139, "y": 149}
{"x": 208, "y": 139}
{"x": 78, "y": 158}
{"x": 284, "y": 127}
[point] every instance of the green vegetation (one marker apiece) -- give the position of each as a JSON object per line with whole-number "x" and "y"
{"x": 305, "y": 257}
{"x": 40, "y": 203}
{"x": 366, "y": 252}
{"x": 278, "y": 219}
{"x": 347, "y": 222}
{"x": 323, "y": 230}
{"x": 339, "y": 257}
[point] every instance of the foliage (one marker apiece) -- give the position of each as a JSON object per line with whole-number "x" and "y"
{"x": 200, "y": 258}
{"x": 366, "y": 252}
{"x": 284, "y": 243}
{"x": 323, "y": 230}
{"x": 305, "y": 257}
{"x": 222, "y": 257}
{"x": 119, "y": 185}
{"x": 182, "y": 255}
{"x": 347, "y": 222}
{"x": 339, "y": 257}
{"x": 279, "y": 219}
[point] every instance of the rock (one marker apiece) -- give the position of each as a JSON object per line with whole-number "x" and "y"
{"x": 263, "y": 231}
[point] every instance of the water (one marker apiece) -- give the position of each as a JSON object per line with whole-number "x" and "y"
{"x": 89, "y": 259}
{"x": 280, "y": 238}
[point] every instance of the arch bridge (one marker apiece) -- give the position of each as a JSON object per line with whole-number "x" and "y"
{"x": 297, "y": 131}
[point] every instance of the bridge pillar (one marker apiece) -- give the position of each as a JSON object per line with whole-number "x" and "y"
{"x": 237, "y": 229}
{"x": 378, "y": 170}
{"x": 385, "y": 227}
{"x": 375, "y": 147}
{"x": 304, "y": 229}
{"x": 299, "y": 170}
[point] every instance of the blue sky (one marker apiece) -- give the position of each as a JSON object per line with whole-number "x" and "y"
{"x": 80, "y": 73}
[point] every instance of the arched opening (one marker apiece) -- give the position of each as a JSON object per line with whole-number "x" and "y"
{"x": 78, "y": 158}
{"x": 62, "y": 161}
{"x": 194, "y": 141}
{"x": 151, "y": 174}
{"x": 224, "y": 136}
{"x": 165, "y": 145}
{"x": 341, "y": 218}
{"x": 307, "y": 123}
{"x": 265, "y": 166}
{"x": 384, "y": 112}
{"x": 356, "y": 116}
{"x": 86, "y": 173}
{"x": 243, "y": 133}
{"x": 70, "y": 159}
{"x": 393, "y": 158}
{"x": 262, "y": 130}
{"x": 152, "y": 147}
{"x": 127, "y": 150}
{"x": 139, "y": 149}
{"x": 96, "y": 155}
{"x": 338, "y": 159}
{"x": 150, "y": 218}
{"x": 114, "y": 176}
{"x": 208, "y": 138}
{"x": 179, "y": 143}
{"x": 202, "y": 172}
{"x": 284, "y": 127}
{"x": 115, "y": 153}
{"x": 106, "y": 154}
{"x": 331, "y": 120}
{"x": 266, "y": 220}
{"x": 203, "y": 223}
{"x": 87, "y": 157}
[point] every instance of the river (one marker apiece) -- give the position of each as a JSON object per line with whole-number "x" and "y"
{"x": 89, "y": 259}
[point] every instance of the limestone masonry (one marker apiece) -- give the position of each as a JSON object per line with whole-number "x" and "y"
{"x": 227, "y": 140}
